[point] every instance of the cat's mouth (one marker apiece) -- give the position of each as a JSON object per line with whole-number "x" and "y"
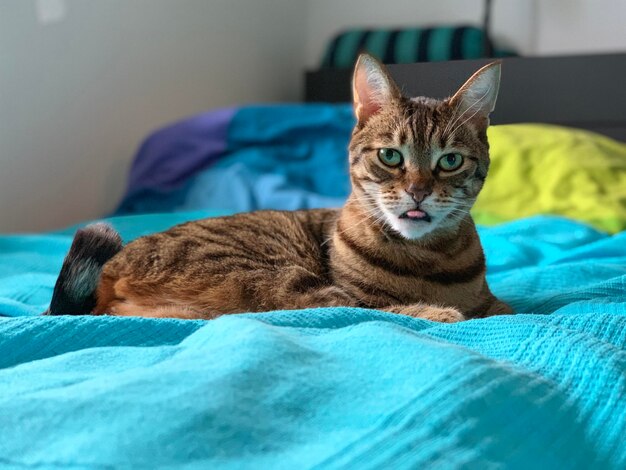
{"x": 417, "y": 215}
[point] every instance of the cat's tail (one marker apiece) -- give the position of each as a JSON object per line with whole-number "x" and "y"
{"x": 75, "y": 289}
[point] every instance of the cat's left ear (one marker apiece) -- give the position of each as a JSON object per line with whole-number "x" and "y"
{"x": 372, "y": 87}
{"x": 479, "y": 93}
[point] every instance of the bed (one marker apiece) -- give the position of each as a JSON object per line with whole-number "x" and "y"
{"x": 337, "y": 387}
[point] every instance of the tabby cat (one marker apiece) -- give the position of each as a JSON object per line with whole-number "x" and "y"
{"x": 404, "y": 241}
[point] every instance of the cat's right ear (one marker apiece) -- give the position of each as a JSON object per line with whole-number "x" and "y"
{"x": 372, "y": 87}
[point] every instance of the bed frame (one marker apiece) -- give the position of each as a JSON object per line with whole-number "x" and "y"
{"x": 587, "y": 92}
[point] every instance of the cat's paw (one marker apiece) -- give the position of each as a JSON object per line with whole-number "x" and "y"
{"x": 443, "y": 314}
{"x": 430, "y": 312}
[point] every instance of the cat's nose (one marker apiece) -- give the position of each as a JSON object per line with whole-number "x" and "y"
{"x": 418, "y": 193}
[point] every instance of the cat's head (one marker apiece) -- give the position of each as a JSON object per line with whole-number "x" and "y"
{"x": 418, "y": 164}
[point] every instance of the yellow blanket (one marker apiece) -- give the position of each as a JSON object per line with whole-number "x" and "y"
{"x": 545, "y": 169}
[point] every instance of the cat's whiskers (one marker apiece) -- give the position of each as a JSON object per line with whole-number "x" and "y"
{"x": 372, "y": 204}
{"x": 463, "y": 206}
{"x": 458, "y": 215}
{"x": 372, "y": 214}
{"x": 457, "y": 210}
{"x": 368, "y": 218}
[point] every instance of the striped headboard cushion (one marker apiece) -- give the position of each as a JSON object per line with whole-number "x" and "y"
{"x": 399, "y": 46}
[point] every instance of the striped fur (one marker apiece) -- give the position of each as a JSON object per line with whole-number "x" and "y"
{"x": 365, "y": 254}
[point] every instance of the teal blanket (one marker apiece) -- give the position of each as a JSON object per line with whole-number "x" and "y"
{"x": 326, "y": 388}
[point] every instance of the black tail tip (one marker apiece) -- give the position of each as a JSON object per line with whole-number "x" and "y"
{"x": 98, "y": 241}
{"x": 74, "y": 291}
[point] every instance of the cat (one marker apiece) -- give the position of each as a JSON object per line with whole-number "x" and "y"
{"x": 404, "y": 242}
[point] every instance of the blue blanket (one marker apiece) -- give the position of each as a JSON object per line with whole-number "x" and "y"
{"x": 326, "y": 388}
{"x": 245, "y": 158}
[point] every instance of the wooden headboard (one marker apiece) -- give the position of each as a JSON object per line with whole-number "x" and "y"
{"x": 587, "y": 92}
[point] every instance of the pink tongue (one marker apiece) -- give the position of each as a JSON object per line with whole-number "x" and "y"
{"x": 415, "y": 214}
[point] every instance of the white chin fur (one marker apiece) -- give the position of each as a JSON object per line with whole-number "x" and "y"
{"x": 409, "y": 229}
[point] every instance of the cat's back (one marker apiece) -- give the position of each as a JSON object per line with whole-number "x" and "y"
{"x": 218, "y": 265}
{"x": 253, "y": 240}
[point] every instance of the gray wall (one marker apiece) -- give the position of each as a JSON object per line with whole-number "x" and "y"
{"x": 79, "y": 90}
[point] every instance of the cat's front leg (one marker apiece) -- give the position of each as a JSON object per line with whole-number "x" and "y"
{"x": 296, "y": 287}
{"x": 428, "y": 312}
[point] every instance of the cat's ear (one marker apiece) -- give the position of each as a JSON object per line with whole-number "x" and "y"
{"x": 479, "y": 93}
{"x": 372, "y": 87}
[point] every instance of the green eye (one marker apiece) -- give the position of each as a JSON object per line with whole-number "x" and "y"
{"x": 390, "y": 157}
{"x": 450, "y": 162}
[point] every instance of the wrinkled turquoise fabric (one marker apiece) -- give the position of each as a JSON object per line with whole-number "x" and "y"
{"x": 327, "y": 388}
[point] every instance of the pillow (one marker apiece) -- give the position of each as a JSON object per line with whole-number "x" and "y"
{"x": 546, "y": 169}
{"x": 408, "y": 45}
